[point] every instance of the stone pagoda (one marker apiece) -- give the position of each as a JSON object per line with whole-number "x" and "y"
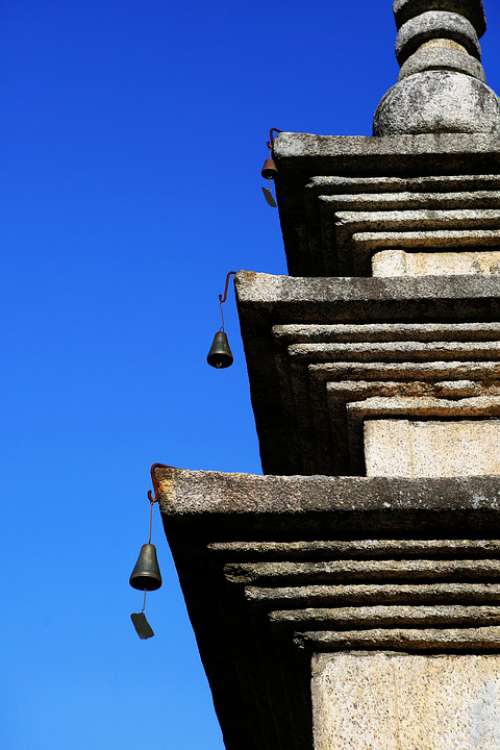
{"x": 349, "y": 598}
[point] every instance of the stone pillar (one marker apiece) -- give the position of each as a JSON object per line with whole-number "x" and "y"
{"x": 394, "y": 701}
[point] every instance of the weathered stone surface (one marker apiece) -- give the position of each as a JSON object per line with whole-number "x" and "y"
{"x": 319, "y": 215}
{"x": 402, "y": 351}
{"x": 333, "y": 504}
{"x": 283, "y": 573}
{"x": 415, "y": 406}
{"x": 473, "y": 10}
{"x": 411, "y": 217}
{"x": 438, "y": 101}
{"x": 401, "y": 263}
{"x": 356, "y": 595}
{"x": 430, "y": 202}
{"x": 397, "y": 155}
{"x": 433, "y": 240}
{"x": 429, "y": 184}
{"x": 442, "y": 58}
{"x": 407, "y": 640}
{"x": 311, "y": 299}
{"x": 417, "y": 449}
{"x": 390, "y": 702}
{"x": 350, "y": 334}
{"x": 436, "y": 24}
{"x": 396, "y": 616}
{"x": 359, "y": 549}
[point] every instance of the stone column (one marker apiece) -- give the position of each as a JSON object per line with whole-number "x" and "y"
{"x": 395, "y": 701}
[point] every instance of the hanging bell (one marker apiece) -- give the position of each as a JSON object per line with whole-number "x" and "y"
{"x": 146, "y": 574}
{"x": 220, "y": 354}
{"x": 269, "y": 170}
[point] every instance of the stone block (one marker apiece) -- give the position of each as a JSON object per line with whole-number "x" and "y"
{"x": 442, "y": 56}
{"x": 432, "y": 448}
{"x": 400, "y": 263}
{"x": 473, "y": 10}
{"x": 436, "y": 24}
{"x": 398, "y": 701}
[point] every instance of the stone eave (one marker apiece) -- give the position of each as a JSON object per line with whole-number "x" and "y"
{"x": 266, "y": 302}
{"x": 307, "y": 154}
{"x": 303, "y": 158}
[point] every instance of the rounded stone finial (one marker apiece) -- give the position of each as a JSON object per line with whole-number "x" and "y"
{"x": 441, "y": 86}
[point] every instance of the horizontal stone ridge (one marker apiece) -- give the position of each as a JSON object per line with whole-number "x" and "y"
{"x": 188, "y": 497}
{"x": 288, "y": 573}
{"x": 342, "y": 618}
{"x": 311, "y": 154}
{"x": 358, "y": 594}
{"x": 371, "y": 596}
{"x": 359, "y": 549}
{"x": 442, "y": 57}
{"x": 470, "y": 640}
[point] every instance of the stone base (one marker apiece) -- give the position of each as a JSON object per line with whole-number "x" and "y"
{"x": 401, "y": 702}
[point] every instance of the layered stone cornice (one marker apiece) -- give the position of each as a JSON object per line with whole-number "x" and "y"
{"x": 344, "y": 200}
{"x": 376, "y": 354}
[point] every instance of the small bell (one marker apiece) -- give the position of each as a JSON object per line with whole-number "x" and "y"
{"x": 269, "y": 170}
{"x": 146, "y": 574}
{"x": 220, "y": 354}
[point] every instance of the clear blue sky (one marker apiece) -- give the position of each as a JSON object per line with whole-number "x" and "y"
{"x": 133, "y": 135}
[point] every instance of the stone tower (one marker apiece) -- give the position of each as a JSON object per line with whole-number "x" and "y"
{"x": 349, "y": 599}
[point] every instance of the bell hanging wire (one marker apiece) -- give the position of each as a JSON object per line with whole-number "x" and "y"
{"x": 146, "y": 574}
{"x": 220, "y": 355}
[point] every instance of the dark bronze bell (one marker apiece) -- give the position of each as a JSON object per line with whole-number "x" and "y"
{"x": 269, "y": 170}
{"x": 146, "y": 574}
{"x": 220, "y": 354}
